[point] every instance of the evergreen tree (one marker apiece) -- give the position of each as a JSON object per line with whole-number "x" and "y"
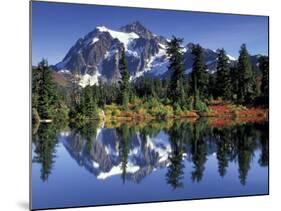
{"x": 264, "y": 67}
{"x": 75, "y": 90}
{"x": 255, "y": 89}
{"x": 198, "y": 151}
{"x": 175, "y": 173}
{"x": 264, "y": 143}
{"x": 124, "y": 148}
{"x": 174, "y": 51}
{"x": 199, "y": 75}
{"x": 45, "y": 142}
{"x": 123, "y": 67}
{"x": 223, "y": 142}
{"x": 234, "y": 82}
{"x": 212, "y": 86}
{"x": 89, "y": 106}
{"x": 246, "y": 144}
{"x": 36, "y": 74}
{"x": 44, "y": 88}
{"x": 86, "y": 133}
{"x": 245, "y": 76}
{"x": 223, "y": 75}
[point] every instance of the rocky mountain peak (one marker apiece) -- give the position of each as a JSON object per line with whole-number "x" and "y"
{"x": 190, "y": 45}
{"x": 137, "y": 28}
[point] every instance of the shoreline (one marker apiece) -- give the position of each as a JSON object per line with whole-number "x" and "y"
{"x": 217, "y": 115}
{"x": 230, "y": 112}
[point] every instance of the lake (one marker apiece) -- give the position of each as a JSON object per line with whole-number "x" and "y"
{"x": 99, "y": 164}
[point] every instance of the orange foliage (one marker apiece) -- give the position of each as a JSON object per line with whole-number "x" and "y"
{"x": 220, "y": 122}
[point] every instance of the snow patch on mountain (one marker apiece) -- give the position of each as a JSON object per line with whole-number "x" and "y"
{"x": 135, "y": 152}
{"x": 111, "y": 151}
{"x": 231, "y": 57}
{"x": 96, "y": 165}
{"x": 157, "y": 64}
{"x": 184, "y": 50}
{"x": 131, "y": 51}
{"x": 85, "y": 80}
{"x": 110, "y": 53}
{"x": 162, "y": 46}
{"x": 187, "y": 71}
{"x": 99, "y": 134}
{"x": 95, "y": 39}
{"x": 65, "y": 133}
{"x": 64, "y": 71}
{"x": 161, "y": 145}
{"x": 137, "y": 75}
{"x": 123, "y": 37}
{"x": 116, "y": 170}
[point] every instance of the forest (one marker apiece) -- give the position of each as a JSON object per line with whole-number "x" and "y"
{"x": 239, "y": 90}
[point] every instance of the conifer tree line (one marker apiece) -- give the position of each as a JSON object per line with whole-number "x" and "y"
{"x": 47, "y": 101}
{"x": 237, "y": 83}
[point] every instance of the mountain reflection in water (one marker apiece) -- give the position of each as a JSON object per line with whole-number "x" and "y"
{"x": 134, "y": 152}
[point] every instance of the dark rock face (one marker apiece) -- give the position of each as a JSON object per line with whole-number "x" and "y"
{"x": 85, "y": 56}
{"x": 139, "y": 29}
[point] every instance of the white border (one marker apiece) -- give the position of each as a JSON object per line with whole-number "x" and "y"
{"x": 14, "y": 82}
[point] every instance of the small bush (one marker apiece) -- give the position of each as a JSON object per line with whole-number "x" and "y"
{"x": 177, "y": 108}
{"x": 141, "y": 112}
{"x": 201, "y": 106}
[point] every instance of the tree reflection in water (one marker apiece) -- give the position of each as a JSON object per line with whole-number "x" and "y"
{"x": 188, "y": 142}
{"x": 175, "y": 173}
{"x": 123, "y": 135}
{"x": 85, "y": 133}
{"x": 45, "y": 141}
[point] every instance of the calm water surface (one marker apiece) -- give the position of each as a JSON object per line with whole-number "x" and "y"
{"x": 97, "y": 165}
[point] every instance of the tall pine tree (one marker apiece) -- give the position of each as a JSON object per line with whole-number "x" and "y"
{"x": 264, "y": 67}
{"x": 212, "y": 86}
{"x": 234, "y": 82}
{"x": 89, "y": 104}
{"x": 245, "y": 77}
{"x": 174, "y": 51}
{"x": 124, "y": 86}
{"x": 223, "y": 75}
{"x": 75, "y": 94}
{"x": 44, "y": 89}
{"x": 124, "y": 148}
{"x": 199, "y": 75}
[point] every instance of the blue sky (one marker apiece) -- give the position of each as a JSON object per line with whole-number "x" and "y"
{"x": 57, "y": 26}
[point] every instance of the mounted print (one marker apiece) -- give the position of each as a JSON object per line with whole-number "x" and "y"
{"x": 135, "y": 105}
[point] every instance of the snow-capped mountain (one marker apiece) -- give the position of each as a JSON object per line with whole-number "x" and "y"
{"x": 95, "y": 57}
{"x": 101, "y": 154}
{"x": 103, "y": 158}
